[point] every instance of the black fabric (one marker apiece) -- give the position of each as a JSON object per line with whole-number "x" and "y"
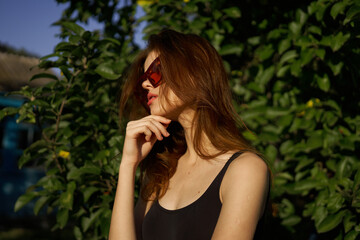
{"x": 196, "y": 221}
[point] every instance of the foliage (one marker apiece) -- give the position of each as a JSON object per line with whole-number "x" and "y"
{"x": 80, "y": 133}
{"x": 294, "y": 66}
{"x": 294, "y": 71}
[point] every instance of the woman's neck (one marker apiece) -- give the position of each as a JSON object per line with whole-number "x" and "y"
{"x": 186, "y": 121}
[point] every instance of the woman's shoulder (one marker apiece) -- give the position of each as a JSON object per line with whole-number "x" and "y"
{"x": 246, "y": 171}
{"x": 248, "y": 161}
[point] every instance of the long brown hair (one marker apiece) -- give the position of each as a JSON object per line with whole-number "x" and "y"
{"x": 194, "y": 71}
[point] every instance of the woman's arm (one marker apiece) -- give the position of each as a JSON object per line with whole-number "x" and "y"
{"x": 122, "y": 219}
{"x": 141, "y": 136}
{"x": 243, "y": 193}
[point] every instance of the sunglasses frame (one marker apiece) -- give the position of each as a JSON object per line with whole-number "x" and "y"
{"x": 153, "y": 68}
{"x": 140, "y": 93}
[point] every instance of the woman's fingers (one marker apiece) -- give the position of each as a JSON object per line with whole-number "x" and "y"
{"x": 148, "y": 126}
{"x": 161, "y": 127}
{"x": 147, "y": 132}
{"x": 159, "y": 119}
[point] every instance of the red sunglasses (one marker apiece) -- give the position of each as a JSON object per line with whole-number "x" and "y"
{"x": 152, "y": 73}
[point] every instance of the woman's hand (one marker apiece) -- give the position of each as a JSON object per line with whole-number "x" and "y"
{"x": 141, "y": 136}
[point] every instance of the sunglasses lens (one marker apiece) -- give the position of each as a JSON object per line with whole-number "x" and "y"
{"x": 153, "y": 74}
{"x": 155, "y": 78}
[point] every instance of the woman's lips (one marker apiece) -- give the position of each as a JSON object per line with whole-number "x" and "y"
{"x": 151, "y": 97}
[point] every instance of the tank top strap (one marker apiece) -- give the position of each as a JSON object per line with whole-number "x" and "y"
{"x": 221, "y": 174}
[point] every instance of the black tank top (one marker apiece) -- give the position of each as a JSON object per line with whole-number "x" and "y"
{"x": 196, "y": 221}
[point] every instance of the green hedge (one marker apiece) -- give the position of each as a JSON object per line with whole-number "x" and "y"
{"x": 294, "y": 70}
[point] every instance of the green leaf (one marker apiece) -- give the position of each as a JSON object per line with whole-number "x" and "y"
{"x": 323, "y": 82}
{"x": 231, "y": 49}
{"x": 357, "y": 178}
{"x": 40, "y": 203}
{"x": 286, "y": 146}
{"x": 86, "y": 222}
{"x": 335, "y": 202}
{"x": 106, "y": 71}
{"x": 87, "y": 192}
{"x": 284, "y": 45}
{"x": 62, "y": 217}
{"x": 319, "y": 215}
{"x": 8, "y": 111}
{"x": 315, "y": 140}
{"x": 249, "y": 136}
{"x": 336, "y": 68}
{"x": 334, "y": 105}
{"x": 91, "y": 169}
{"x": 49, "y": 56}
{"x": 233, "y": 12}
{"x": 337, "y": 8}
{"x": 306, "y": 56}
{"x": 282, "y": 71}
{"x": 77, "y": 233}
{"x": 352, "y": 13}
{"x": 320, "y": 52}
{"x": 295, "y": 28}
{"x": 66, "y": 198}
{"x": 44, "y": 75}
{"x": 330, "y": 222}
{"x": 111, "y": 40}
{"x": 254, "y": 40}
{"x": 301, "y": 16}
{"x": 65, "y": 47}
{"x": 271, "y": 152}
{"x": 73, "y": 27}
{"x": 66, "y": 72}
{"x": 287, "y": 208}
{"x": 24, "y": 199}
{"x": 352, "y": 235}
{"x": 339, "y": 40}
{"x": 275, "y": 112}
{"x": 190, "y": 8}
{"x": 303, "y": 163}
{"x": 266, "y": 75}
{"x": 315, "y": 29}
{"x": 344, "y": 168}
{"x": 349, "y": 221}
{"x": 74, "y": 39}
{"x": 105, "y": 221}
{"x": 291, "y": 220}
{"x": 306, "y": 185}
{"x": 295, "y": 68}
{"x": 80, "y": 139}
{"x": 335, "y": 42}
{"x": 287, "y": 56}
{"x": 76, "y": 173}
{"x": 265, "y": 52}
{"x": 285, "y": 121}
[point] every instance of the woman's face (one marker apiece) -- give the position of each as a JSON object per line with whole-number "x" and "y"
{"x": 158, "y": 104}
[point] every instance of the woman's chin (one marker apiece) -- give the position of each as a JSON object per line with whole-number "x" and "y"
{"x": 156, "y": 111}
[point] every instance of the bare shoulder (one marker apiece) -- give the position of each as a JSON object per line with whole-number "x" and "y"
{"x": 247, "y": 169}
{"x": 250, "y": 163}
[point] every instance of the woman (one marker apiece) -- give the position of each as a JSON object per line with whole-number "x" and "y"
{"x": 200, "y": 178}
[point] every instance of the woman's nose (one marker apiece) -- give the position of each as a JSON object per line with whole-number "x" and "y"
{"x": 146, "y": 84}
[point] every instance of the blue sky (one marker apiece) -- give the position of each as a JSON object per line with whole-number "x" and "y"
{"x": 27, "y": 24}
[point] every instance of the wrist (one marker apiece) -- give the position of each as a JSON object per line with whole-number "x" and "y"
{"x": 128, "y": 166}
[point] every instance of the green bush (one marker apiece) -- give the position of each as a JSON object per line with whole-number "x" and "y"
{"x": 294, "y": 69}
{"x": 80, "y": 131}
